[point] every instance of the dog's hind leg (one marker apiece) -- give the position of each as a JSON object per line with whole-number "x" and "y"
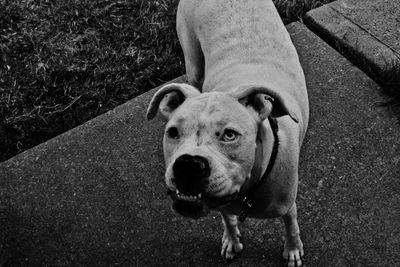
{"x": 194, "y": 58}
{"x": 231, "y": 245}
{"x": 293, "y": 249}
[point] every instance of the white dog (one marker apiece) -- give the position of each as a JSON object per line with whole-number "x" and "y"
{"x": 235, "y": 146}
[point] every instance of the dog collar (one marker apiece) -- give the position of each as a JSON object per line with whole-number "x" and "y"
{"x": 246, "y": 200}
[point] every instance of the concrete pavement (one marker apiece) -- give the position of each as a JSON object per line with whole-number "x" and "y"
{"x": 95, "y": 196}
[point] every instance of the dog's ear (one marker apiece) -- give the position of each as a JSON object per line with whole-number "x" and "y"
{"x": 263, "y": 101}
{"x": 169, "y": 97}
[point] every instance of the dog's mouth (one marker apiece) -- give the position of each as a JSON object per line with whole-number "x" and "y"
{"x": 188, "y": 205}
{"x": 197, "y": 206}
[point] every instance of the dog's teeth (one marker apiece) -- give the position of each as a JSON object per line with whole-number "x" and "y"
{"x": 187, "y": 197}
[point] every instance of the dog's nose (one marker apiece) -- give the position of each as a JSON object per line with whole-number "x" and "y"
{"x": 189, "y": 170}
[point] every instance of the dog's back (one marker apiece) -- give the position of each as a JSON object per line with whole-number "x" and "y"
{"x": 242, "y": 42}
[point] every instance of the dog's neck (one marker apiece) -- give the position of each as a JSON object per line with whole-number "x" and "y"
{"x": 264, "y": 146}
{"x": 266, "y": 153}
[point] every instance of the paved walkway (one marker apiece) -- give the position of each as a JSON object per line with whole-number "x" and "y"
{"x": 95, "y": 196}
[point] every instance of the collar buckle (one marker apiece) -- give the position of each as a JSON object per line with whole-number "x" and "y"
{"x": 247, "y": 205}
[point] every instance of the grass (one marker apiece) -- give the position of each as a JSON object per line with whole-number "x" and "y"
{"x": 63, "y": 62}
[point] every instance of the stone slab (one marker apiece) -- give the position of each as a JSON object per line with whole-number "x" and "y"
{"x": 95, "y": 196}
{"x": 367, "y": 32}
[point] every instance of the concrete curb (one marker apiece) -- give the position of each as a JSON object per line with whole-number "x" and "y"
{"x": 349, "y": 27}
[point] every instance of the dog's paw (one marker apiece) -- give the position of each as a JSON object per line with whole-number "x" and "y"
{"x": 230, "y": 247}
{"x": 293, "y": 255}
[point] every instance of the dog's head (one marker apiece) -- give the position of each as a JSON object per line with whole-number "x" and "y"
{"x": 210, "y": 142}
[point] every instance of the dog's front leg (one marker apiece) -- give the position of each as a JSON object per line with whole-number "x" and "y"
{"x": 293, "y": 249}
{"x": 231, "y": 245}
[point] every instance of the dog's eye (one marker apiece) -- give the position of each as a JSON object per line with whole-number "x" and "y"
{"x": 230, "y": 135}
{"x": 173, "y": 133}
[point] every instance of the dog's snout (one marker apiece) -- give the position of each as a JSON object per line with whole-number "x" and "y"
{"x": 188, "y": 167}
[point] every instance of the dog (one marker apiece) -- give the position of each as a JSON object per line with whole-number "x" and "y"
{"x": 234, "y": 130}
